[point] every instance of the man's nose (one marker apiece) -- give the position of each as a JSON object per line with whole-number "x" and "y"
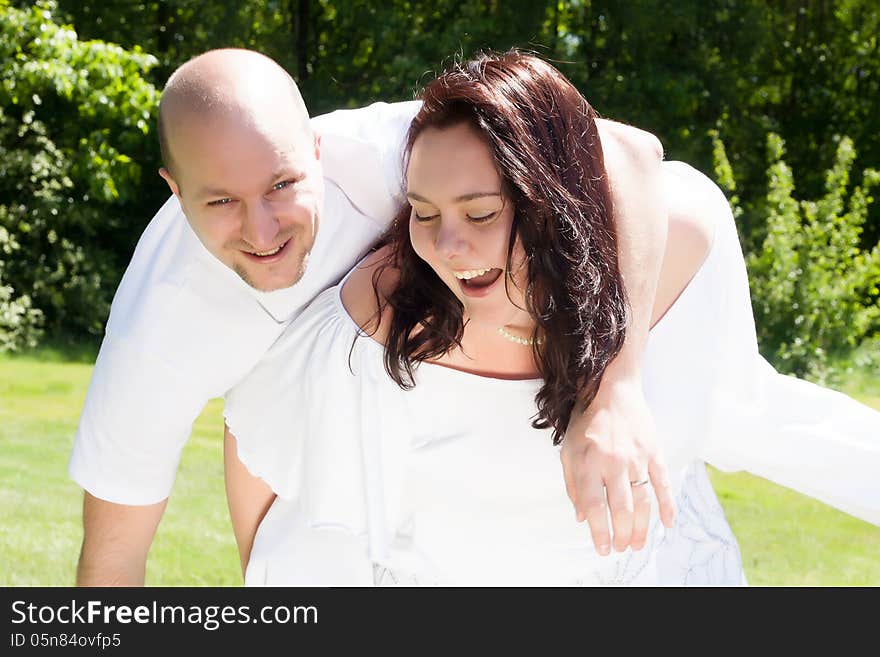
{"x": 260, "y": 227}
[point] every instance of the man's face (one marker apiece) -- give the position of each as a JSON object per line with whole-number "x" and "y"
{"x": 252, "y": 194}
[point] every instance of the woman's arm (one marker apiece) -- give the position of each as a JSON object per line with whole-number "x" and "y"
{"x": 249, "y": 498}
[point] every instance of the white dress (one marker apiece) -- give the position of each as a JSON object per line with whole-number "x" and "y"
{"x": 448, "y": 484}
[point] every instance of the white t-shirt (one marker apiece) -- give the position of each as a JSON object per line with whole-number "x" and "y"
{"x": 184, "y": 328}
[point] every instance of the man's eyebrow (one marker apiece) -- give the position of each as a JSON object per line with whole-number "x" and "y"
{"x": 457, "y": 199}
{"x": 288, "y": 172}
{"x": 219, "y": 192}
{"x": 207, "y": 192}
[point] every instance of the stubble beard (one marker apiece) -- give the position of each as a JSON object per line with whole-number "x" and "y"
{"x": 302, "y": 258}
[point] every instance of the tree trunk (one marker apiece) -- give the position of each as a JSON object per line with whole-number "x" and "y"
{"x": 300, "y": 11}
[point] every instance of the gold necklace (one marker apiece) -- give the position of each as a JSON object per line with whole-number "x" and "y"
{"x": 504, "y": 333}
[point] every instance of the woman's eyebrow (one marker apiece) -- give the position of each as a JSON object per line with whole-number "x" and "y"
{"x": 458, "y": 199}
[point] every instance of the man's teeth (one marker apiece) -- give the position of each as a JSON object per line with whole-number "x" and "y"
{"x": 471, "y": 273}
{"x": 268, "y": 253}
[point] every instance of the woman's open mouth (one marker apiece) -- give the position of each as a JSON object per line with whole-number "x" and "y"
{"x": 477, "y": 282}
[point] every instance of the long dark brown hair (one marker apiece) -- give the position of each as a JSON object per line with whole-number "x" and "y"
{"x": 546, "y": 147}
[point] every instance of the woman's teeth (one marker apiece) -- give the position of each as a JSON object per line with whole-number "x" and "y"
{"x": 471, "y": 273}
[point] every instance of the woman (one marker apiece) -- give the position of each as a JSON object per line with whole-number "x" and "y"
{"x": 438, "y": 376}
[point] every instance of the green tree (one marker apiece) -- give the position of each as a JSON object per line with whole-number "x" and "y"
{"x": 75, "y": 125}
{"x": 814, "y": 289}
{"x": 20, "y": 322}
{"x": 802, "y": 69}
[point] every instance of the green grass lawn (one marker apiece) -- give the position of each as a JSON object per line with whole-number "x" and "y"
{"x": 785, "y": 538}
{"x": 40, "y": 531}
{"x": 789, "y": 539}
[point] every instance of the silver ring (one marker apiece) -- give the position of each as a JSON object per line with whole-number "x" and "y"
{"x": 641, "y": 482}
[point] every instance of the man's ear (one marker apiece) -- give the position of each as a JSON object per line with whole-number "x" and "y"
{"x": 172, "y": 184}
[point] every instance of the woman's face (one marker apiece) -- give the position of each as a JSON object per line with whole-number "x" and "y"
{"x": 461, "y": 221}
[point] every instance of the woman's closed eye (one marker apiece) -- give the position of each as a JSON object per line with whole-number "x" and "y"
{"x": 481, "y": 218}
{"x": 476, "y": 218}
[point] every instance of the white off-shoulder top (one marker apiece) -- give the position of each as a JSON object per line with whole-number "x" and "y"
{"x": 449, "y": 484}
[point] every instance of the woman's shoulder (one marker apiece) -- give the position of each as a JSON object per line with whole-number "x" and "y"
{"x": 366, "y": 290}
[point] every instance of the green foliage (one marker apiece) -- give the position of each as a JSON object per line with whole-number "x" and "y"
{"x": 800, "y": 69}
{"x": 343, "y": 53}
{"x": 20, "y": 322}
{"x": 814, "y": 289}
{"x": 74, "y": 120}
{"x": 743, "y": 67}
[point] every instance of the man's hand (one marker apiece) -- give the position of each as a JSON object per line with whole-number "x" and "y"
{"x": 116, "y": 539}
{"x": 612, "y": 447}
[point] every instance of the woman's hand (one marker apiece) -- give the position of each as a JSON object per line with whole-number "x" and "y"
{"x": 606, "y": 452}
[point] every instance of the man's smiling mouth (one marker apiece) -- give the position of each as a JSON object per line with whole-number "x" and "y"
{"x": 266, "y": 254}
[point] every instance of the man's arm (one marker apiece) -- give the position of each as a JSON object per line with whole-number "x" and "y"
{"x": 612, "y": 444}
{"x": 362, "y": 152}
{"x": 116, "y": 539}
{"x": 135, "y": 420}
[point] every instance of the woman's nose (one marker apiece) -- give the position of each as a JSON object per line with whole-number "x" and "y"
{"x": 450, "y": 241}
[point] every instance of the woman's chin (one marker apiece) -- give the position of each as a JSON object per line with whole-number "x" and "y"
{"x": 489, "y": 319}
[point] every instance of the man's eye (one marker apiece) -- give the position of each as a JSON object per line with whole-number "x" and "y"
{"x": 284, "y": 184}
{"x": 220, "y": 201}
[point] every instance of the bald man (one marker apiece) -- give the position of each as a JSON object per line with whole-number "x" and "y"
{"x": 269, "y": 209}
